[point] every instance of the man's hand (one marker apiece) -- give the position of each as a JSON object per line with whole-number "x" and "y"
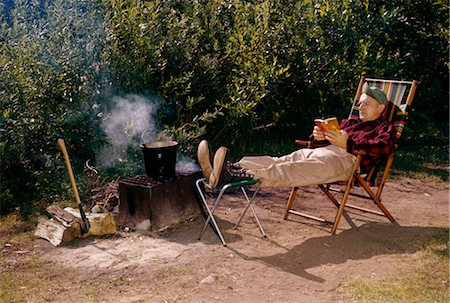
{"x": 318, "y": 134}
{"x": 338, "y": 139}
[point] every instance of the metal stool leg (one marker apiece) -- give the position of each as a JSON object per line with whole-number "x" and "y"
{"x": 249, "y": 205}
{"x": 211, "y": 211}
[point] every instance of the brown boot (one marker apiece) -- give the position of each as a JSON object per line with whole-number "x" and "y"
{"x": 204, "y": 158}
{"x": 219, "y": 175}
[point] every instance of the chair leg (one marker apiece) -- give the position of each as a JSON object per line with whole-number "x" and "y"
{"x": 326, "y": 190}
{"x": 341, "y": 208}
{"x": 385, "y": 176}
{"x": 249, "y": 205}
{"x": 349, "y": 186}
{"x": 375, "y": 199}
{"x": 210, "y": 211}
{"x": 289, "y": 209}
{"x": 290, "y": 202}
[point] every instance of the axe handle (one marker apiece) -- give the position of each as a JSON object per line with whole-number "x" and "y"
{"x": 69, "y": 169}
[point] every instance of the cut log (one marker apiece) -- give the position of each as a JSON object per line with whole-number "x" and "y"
{"x": 65, "y": 224}
{"x": 55, "y": 232}
{"x": 62, "y": 216}
{"x": 101, "y": 224}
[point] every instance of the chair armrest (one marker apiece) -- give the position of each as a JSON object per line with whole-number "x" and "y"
{"x": 303, "y": 142}
{"x": 312, "y": 143}
{"x": 359, "y": 153}
{"x": 364, "y": 153}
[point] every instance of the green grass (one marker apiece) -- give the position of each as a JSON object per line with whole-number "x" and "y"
{"x": 18, "y": 273}
{"x": 424, "y": 162}
{"x": 13, "y": 230}
{"x": 428, "y": 281}
{"x": 27, "y": 280}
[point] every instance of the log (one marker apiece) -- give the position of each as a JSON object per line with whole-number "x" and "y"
{"x": 101, "y": 224}
{"x": 62, "y": 216}
{"x": 64, "y": 226}
{"x": 55, "y": 232}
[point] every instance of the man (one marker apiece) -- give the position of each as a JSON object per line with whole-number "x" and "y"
{"x": 370, "y": 133}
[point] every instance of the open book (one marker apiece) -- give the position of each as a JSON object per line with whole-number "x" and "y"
{"x": 330, "y": 124}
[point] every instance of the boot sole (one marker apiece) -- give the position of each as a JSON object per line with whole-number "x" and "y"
{"x": 204, "y": 158}
{"x": 219, "y": 168}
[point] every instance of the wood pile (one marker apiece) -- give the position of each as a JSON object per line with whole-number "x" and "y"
{"x": 104, "y": 199}
{"x": 64, "y": 225}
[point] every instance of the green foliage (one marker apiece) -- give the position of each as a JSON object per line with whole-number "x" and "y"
{"x": 251, "y": 75}
{"x": 264, "y": 64}
{"x": 217, "y": 56}
{"x": 49, "y": 62}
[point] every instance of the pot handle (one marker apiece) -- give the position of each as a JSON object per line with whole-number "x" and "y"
{"x": 143, "y": 134}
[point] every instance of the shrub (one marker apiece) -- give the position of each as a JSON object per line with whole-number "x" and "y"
{"x": 251, "y": 75}
{"x": 48, "y": 82}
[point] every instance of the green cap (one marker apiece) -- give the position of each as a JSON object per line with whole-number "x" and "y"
{"x": 375, "y": 93}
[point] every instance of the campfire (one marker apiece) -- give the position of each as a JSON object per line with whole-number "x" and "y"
{"x": 163, "y": 196}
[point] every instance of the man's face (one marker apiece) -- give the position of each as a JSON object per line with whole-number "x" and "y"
{"x": 369, "y": 108}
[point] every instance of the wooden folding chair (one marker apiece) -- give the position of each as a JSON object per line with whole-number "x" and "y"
{"x": 202, "y": 183}
{"x": 400, "y": 94}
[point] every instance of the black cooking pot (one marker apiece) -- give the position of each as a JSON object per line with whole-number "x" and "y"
{"x": 160, "y": 158}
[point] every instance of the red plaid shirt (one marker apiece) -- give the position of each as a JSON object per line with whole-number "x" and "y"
{"x": 374, "y": 137}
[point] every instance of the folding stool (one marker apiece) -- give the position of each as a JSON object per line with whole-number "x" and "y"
{"x": 210, "y": 210}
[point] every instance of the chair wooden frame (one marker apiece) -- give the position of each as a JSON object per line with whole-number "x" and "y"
{"x": 395, "y": 90}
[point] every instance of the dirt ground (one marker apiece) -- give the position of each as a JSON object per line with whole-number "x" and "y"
{"x": 299, "y": 261}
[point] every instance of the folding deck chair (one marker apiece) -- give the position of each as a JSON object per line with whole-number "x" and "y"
{"x": 399, "y": 94}
{"x": 203, "y": 182}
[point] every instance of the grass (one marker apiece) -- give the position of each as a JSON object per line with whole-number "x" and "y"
{"x": 424, "y": 162}
{"x": 18, "y": 272}
{"x": 427, "y": 282}
{"x": 14, "y": 230}
{"x": 26, "y": 280}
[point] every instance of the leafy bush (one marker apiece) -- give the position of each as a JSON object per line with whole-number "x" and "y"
{"x": 274, "y": 64}
{"x": 50, "y": 63}
{"x": 251, "y": 75}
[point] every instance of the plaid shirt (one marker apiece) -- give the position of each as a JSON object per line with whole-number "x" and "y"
{"x": 374, "y": 137}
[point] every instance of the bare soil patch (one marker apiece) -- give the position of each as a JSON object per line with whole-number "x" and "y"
{"x": 299, "y": 261}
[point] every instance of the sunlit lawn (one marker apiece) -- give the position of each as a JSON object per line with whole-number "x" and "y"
{"x": 427, "y": 281}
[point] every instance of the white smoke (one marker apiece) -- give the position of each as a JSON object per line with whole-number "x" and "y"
{"x": 186, "y": 165}
{"x": 130, "y": 120}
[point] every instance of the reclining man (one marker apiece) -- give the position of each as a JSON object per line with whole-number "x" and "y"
{"x": 370, "y": 133}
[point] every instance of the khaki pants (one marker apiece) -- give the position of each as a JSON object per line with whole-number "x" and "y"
{"x": 302, "y": 167}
